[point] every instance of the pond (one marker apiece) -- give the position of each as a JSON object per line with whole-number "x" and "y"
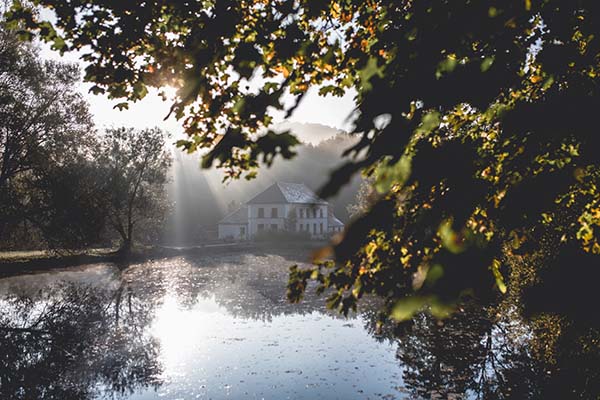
{"x": 216, "y": 327}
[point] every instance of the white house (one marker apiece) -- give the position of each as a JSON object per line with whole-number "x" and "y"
{"x": 235, "y": 225}
{"x": 281, "y": 207}
{"x": 334, "y": 224}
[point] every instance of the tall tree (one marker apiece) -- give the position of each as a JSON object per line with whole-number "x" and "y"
{"x": 45, "y": 126}
{"x": 489, "y": 133}
{"x": 69, "y": 204}
{"x": 136, "y": 165}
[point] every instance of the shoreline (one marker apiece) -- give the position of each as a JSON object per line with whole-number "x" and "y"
{"x": 10, "y": 266}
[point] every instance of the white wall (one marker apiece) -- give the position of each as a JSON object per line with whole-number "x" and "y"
{"x": 231, "y": 231}
{"x": 305, "y": 219}
{"x": 268, "y": 220}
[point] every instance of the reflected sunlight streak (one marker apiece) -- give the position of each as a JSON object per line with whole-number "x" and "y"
{"x": 179, "y": 329}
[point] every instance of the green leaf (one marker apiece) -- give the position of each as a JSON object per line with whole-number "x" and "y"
{"x": 387, "y": 176}
{"x": 97, "y": 89}
{"x": 368, "y": 72}
{"x": 122, "y": 106}
{"x": 331, "y": 89}
{"x": 434, "y": 273}
{"x": 251, "y": 175}
{"x": 498, "y": 276}
{"x": 140, "y": 90}
{"x": 429, "y": 122}
{"x": 487, "y": 63}
{"x": 446, "y": 66}
{"x": 59, "y": 44}
{"x": 407, "y": 307}
{"x": 451, "y": 240}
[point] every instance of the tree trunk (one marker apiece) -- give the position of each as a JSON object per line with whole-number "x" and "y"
{"x": 126, "y": 236}
{"x": 126, "y": 246}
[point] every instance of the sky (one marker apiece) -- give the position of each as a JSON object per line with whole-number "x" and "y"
{"x": 150, "y": 112}
{"x": 317, "y": 118}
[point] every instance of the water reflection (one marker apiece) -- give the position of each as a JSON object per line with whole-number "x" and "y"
{"x": 212, "y": 327}
{"x": 220, "y": 327}
{"x": 74, "y": 342}
{"x": 491, "y": 353}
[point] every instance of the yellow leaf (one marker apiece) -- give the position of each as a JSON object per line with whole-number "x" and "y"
{"x": 282, "y": 69}
{"x": 499, "y": 278}
{"x": 335, "y": 10}
{"x": 535, "y": 78}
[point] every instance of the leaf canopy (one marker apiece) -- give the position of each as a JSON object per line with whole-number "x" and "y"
{"x": 490, "y": 150}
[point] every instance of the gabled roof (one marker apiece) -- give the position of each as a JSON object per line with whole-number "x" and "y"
{"x": 333, "y": 221}
{"x": 237, "y": 217}
{"x": 283, "y": 192}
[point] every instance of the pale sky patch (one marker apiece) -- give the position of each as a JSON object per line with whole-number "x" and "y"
{"x": 151, "y": 111}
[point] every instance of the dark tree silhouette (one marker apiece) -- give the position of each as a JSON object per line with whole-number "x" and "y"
{"x": 46, "y": 136}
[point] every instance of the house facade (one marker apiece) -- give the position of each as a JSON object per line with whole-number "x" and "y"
{"x": 290, "y": 207}
{"x": 234, "y": 225}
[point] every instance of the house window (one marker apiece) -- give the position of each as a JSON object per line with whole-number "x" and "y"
{"x": 261, "y": 213}
{"x": 302, "y": 213}
{"x": 273, "y": 227}
{"x": 321, "y": 228}
{"x": 301, "y": 227}
{"x": 242, "y": 231}
{"x": 261, "y": 227}
{"x": 274, "y": 212}
{"x": 315, "y": 229}
{"x": 320, "y": 213}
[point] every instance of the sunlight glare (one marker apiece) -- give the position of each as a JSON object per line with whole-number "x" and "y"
{"x": 179, "y": 330}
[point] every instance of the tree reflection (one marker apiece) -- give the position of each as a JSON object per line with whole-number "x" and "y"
{"x": 479, "y": 353}
{"x": 75, "y": 342}
{"x": 78, "y": 341}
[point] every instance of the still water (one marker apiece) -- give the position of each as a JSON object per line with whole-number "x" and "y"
{"x": 185, "y": 328}
{"x": 219, "y": 327}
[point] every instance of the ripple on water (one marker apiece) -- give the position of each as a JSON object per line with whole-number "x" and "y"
{"x": 224, "y": 329}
